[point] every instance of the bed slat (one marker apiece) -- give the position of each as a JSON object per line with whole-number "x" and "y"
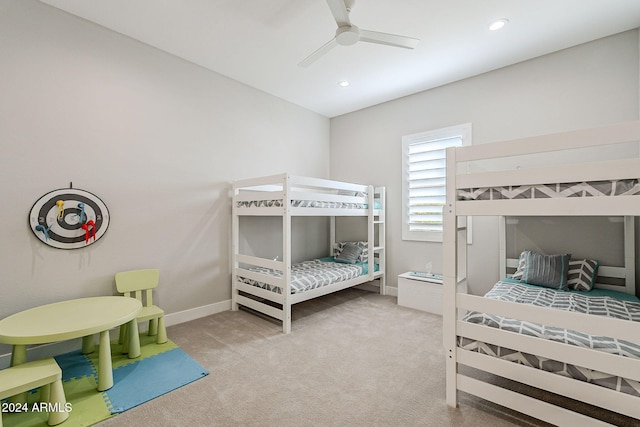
{"x": 265, "y": 278}
{"x": 247, "y": 196}
{"x": 595, "y": 325}
{"x": 262, "y": 308}
{"x": 587, "y": 358}
{"x": 581, "y": 172}
{"x": 314, "y": 293}
{"x": 261, "y": 262}
{"x": 569, "y": 206}
{"x": 259, "y": 292}
{"x": 525, "y": 404}
{"x": 578, "y": 390}
{"x": 325, "y": 183}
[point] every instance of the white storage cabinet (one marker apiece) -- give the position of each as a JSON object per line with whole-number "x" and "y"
{"x": 421, "y": 293}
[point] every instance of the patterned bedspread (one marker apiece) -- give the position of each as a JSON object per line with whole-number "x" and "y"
{"x": 568, "y": 301}
{"x": 621, "y": 187}
{"x": 301, "y": 204}
{"x": 309, "y": 275}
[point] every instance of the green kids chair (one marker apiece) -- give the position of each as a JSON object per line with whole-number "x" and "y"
{"x": 139, "y": 284}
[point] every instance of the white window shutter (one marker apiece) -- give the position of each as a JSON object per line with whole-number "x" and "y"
{"x": 427, "y": 183}
{"x": 424, "y": 181}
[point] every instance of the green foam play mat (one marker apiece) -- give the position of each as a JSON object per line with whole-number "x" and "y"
{"x": 160, "y": 369}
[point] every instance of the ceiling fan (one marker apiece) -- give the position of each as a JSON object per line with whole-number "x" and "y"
{"x": 348, "y": 34}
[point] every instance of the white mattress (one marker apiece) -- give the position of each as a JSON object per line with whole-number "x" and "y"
{"x": 301, "y": 204}
{"x": 621, "y": 187}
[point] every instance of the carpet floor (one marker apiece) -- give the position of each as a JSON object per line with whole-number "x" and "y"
{"x": 353, "y": 358}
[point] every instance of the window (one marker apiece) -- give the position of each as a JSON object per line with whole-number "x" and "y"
{"x": 423, "y": 180}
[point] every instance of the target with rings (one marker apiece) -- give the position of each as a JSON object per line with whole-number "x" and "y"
{"x": 69, "y": 218}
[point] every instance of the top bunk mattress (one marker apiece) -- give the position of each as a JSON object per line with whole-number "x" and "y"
{"x": 302, "y": 204}
{"x": 265, "y": 195}
{"x": 617, "y": 187}
{"x": 588, "y": 163}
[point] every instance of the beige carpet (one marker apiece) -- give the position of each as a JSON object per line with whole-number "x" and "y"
{"x": 354, "y": 358}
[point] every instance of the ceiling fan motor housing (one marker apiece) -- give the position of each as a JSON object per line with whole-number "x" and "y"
{"x": 347, "y": 35}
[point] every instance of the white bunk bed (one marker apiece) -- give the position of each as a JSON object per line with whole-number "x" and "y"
{"x": 270, "y": 286}
{"x": 607, "y": 188}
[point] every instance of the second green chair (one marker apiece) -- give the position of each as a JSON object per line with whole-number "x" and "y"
{"x": 139, "y": 284}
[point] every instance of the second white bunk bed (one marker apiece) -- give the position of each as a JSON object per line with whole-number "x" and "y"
{"x": 605, "y": 188}
{"x": 273, "y": 286}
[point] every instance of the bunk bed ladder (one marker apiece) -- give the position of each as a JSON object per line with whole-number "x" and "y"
{"x": 378, "y": 223}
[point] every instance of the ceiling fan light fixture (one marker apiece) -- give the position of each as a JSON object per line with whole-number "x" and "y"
{"x": 498, "y": 24}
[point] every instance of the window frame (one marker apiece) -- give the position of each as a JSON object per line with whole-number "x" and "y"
{"x": 464, "y": 132}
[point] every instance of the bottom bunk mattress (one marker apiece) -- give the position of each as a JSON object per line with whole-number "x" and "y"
{"x": 596, "y": 302}
{"x": 312, "y": 274}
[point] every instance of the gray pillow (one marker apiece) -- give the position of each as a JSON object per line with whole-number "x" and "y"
{"x": 522, "y": 262}
{"x": 349, "y": 254}
{"x": 549, "y": 271}
{"x": 364, "y": 255}
{"x": 582, "y": 274}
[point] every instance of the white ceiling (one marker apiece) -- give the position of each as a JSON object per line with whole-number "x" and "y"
{"x": 260, "y": 42}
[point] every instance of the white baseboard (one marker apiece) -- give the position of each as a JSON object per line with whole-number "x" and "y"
{"x": 373, "y": 287}
{"x": 196, "y": 313}
{"x": 52, "y": 349}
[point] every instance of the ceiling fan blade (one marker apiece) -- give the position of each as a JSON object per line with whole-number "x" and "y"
{"x": 339, "y": 12}
{"x": 388, "y": 39}
{"x": 318, "y": 53}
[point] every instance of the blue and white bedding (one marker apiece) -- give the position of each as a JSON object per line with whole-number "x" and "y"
{"x": 309, "y": 275}
{"x": 582, "y": 302}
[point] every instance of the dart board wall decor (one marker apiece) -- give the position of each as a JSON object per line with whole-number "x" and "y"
{"x": 69, "y": 218}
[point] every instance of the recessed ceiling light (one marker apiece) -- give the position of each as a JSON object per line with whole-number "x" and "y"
{"x": 498, "y": 24}
{"x": 343, "y": 83}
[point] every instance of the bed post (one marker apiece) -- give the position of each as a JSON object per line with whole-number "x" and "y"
{"x": 235, "y": 249}
{"x": 382, "y": 254}
{"x": 370, "y": 231}
{"x": 286, "y": 256}
{"x": 502, "y": 236}
{"x": 450, "y": 267}
{"x": 630, "y": 255}
{"x": 332, "y": 235}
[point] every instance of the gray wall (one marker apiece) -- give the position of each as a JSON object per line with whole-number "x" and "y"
{"x": 158, "y": 139}
{"x": 589, "y": 85}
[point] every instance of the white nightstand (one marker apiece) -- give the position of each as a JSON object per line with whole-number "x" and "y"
{"x": 421, "y": 293}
